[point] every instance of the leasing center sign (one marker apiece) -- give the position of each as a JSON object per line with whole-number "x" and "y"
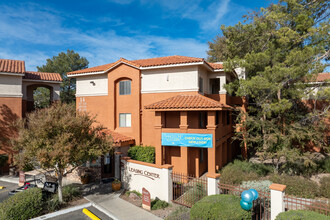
{"x": 187, "y": 140}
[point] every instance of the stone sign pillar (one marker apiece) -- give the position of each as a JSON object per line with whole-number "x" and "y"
{"x": 146, "y": 201}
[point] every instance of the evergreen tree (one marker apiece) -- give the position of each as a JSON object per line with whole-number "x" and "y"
{"x": 282, "y": 48}
{"x": 62, "y": 64}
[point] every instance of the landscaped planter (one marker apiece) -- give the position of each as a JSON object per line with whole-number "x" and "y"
{"x": 116, "y": 185}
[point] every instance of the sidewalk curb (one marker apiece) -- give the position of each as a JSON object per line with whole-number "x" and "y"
{"x": 102, "y": 209}
{"x": 9, "y": 180}
{"x": 61, "y": 212}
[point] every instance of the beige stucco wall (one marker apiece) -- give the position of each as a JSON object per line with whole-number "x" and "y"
{"x": 95, "y": 85}
{"x": 174, "y": 79}
{"x": 10, "y": 86}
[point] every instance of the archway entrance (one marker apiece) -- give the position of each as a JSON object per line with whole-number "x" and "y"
{"x": 38, "y": 96}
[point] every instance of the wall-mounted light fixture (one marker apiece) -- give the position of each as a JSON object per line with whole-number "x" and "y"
{"x": 92, "y": 82}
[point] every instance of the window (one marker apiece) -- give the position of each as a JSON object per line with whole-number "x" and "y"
{"x": 200, "y": 84}
{"x": 125, "y": 87}
{"x": 215, "y": 86}
{"x": 124, "y": 120}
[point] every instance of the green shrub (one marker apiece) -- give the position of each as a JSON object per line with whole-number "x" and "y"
{"x": 70, "y": 192}
{"x": 239, "y": 171}
{"x": 219, "y": 207}
{"x": 179, "y": 213}
{"x": 23, "y": 205}
{"x": 144, "y": 154}
{"x": 158, "y": 204}
{"x": 261, "y": 185}
{"x": 297, "y": 185}
{"x": 326, "y": 165}
{"x": 325, "y": 187}
{"x": 300, "y": 215}
{"x": 53, "y": 204}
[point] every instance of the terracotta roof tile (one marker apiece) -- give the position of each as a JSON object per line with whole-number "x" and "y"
{"x": 187, "y": 102}
{"x": 42, "y": 76}
{"x": 321, "y": 77}
{"x": 12, "y": 66}
{"x": 159, "y": 61}
{"x": 117, "y": 137}
{"x": 216, "y": 66}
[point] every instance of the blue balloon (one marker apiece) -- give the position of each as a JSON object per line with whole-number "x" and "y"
{"x": 255, "y": 193}
{"x": 246, "y": 205}
{"x": 247, "y": 196}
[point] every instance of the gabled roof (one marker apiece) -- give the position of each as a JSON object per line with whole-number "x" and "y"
{"x": 187, "y": 102}
{"x": 152, "y": 62}
{"x": 12, "y": 66}
{"x": 42, "y": 76}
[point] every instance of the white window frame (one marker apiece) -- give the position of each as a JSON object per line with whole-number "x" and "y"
{"x": 127, "y": 117}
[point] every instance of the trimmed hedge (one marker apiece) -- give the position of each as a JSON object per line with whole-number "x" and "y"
{"x": 300, "y": 215}
{"x": 23, "y": 205}
{"x": 219, "y": 207}
{"x": 144, "y": 154}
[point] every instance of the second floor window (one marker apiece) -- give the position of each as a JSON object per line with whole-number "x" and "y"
{"x": 124, "y": 120}
{"x": 125, "y": 87}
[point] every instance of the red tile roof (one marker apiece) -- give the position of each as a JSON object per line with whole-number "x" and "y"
{"x": 216, "y": 66}
{"x": 159, "y": 61}
{"x": 42, "y": 76}
{"x": 12, "y": 66}
{"x": 118, "y": 138}
{"x": 187, "y": 102}
{"x": 321, "y": 77}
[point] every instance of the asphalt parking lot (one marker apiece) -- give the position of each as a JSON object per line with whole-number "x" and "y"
{"x": 79, "y": 215}
{"x": 8, "y": 187}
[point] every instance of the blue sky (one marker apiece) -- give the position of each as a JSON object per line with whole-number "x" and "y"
{"x": 105, "y": 30}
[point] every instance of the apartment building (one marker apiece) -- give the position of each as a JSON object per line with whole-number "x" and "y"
{"x": 177, "y": 104}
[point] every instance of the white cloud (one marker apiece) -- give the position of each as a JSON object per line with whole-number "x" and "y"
{"x": 43, "y": 30}
{"x": 209, "y": 17}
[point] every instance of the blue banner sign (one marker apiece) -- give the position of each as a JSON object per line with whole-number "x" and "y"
{"x": 187, "y": 140}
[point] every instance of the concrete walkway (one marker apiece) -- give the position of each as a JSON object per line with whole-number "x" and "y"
{"x": 120, "y": 208}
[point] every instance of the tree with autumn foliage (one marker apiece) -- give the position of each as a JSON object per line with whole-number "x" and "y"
{"x": 59, "y": 138}
{"x": 282, "y": 49}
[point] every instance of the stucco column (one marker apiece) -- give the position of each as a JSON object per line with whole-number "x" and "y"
{"x": 168, "y": 187}
{"x": 183, "y": 120}
{"x": 158, "y": 137}
{"x": 211, "y": 153}
{"x": 184, "y": 157}
{"x": 212, "y": 184}
{"x": 277, "y": 199}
